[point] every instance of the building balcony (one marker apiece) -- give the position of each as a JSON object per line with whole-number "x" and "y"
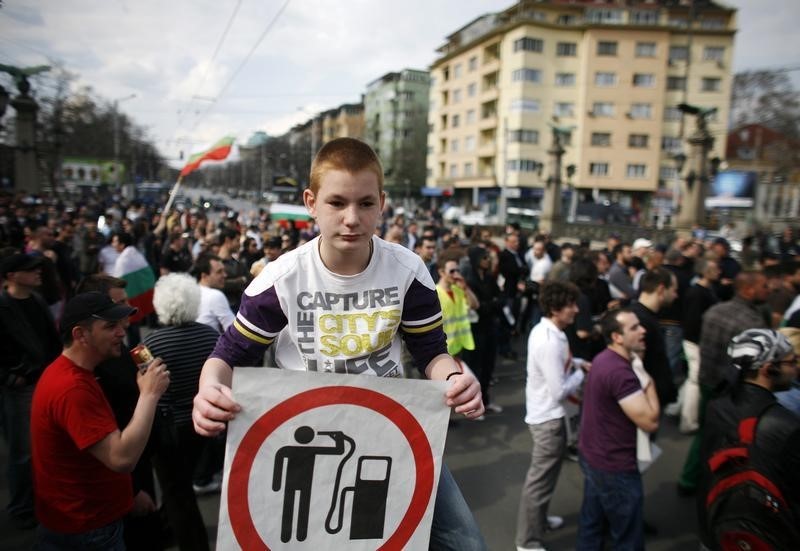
{"x": 488, "y": 122}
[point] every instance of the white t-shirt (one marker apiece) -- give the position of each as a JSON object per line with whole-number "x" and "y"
{"x": 214, "y": 309}
{"x": 549, "y": 380}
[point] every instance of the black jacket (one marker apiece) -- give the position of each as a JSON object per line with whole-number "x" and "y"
{"x": 776, "y": 450}
{"x": 23, "y": 352}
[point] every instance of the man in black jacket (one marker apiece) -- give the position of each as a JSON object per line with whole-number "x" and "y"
{"x": 766, "y": 363}
{"x": 28, "y": 343}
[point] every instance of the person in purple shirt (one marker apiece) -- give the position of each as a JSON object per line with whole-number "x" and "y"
{"x": 618, "y": 398}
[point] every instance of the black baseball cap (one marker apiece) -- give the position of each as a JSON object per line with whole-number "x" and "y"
{"x": 19, "y": 262}
{"x": 274, "y": 243}
{"x": 93, "y": 305}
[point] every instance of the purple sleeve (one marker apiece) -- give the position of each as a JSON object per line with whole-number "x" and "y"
{"x": 623, "y": 383}
{"x": 258, "y": 322}
{"x": 421, "y": 325}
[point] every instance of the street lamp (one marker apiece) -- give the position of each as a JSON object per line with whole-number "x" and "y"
{"x": 116, "y": 135}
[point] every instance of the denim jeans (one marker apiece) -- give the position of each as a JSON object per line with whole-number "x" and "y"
{"x": 454, "y": 528}
{"x": 615, "y": 499}
{"x": 17, "y": 427}
{"x": 106, "y": 538}
{"x": 673, "y": 341}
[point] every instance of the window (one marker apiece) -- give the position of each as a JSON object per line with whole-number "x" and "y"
{"x": 668, "y": 173}
{"x": 638, "y": 141}
{"x": 527, "y": 75}
{"x": 636, "y": 171}
{"x": 528, "y": 44}
{"x": 467, "y": 169}
{"x": 711, "y": 84}
{"x": 523, "y": 136}
{"x": 604, "y": 16}
{"x": 565, "y": 79}
{"x": 603, "y": 109}
{"x": 565, "y": 19}
{"x": 672, "y": 114}
{"x": 470, "y": 116}
{"x": 644, "y": 80}
{"x": 453, "y": 170}
{"x": 605, "y": 79}
{"x": 676, "y": 83}
{"x": 712, "y": 24}
{"x": 457, "y": 70}
{"x": 670, "y": 143}
{"x": 644, "y": 17}
{"x": 456, "y": 121}
{"x": 525, "y": 105}
{"x": 678, "y": 53}
{"x": 454, "y": 146}
{"x": 601, "y": 139}
{"x": 606, "y": 48}
{"x": 645, "y": 49}
{"x": 566, "y": 49}
{"x": 598, "y": 169}
{"x": 472, "y": 90}
{"x": 469, "y": 143}
{"x": 641, "y": 111}
{"x": 714, "y": 53}
{"x": 564, "y": 109}
{"x": 523, "y": 165}
{"x": 472, "y": 64}
{"x": 456, "y": 96}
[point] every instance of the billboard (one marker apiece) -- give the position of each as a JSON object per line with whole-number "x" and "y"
{"x": 731, "y": 189}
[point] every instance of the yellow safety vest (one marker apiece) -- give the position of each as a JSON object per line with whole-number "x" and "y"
{"x": 455, "y": 321}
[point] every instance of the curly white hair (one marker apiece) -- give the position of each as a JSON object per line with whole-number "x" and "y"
{"x": 176, "y": 299}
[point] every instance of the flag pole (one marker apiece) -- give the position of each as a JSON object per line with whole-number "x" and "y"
{"x": 162, "y": 223}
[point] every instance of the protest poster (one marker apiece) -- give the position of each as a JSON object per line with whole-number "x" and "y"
{"x": 331, "y": 461}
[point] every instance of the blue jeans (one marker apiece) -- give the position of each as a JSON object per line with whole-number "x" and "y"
{"x": 454, "y": 528}
{"x": 616, "y": 499}
{"x": 107, "y": 538}
{"x": 17, "y": 427}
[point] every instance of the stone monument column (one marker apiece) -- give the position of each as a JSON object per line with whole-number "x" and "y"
{"x": 550, "y": 217}
{"x": 695, "y": 185}
{"x": 26, "y": 170}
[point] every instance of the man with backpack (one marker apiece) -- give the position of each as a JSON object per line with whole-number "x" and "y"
{"x": 749, "y": 494}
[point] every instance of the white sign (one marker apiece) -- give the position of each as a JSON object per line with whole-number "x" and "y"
{"x": 330, "y": 461}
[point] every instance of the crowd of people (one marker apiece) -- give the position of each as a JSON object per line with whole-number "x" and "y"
{"x": 612, "y": 339}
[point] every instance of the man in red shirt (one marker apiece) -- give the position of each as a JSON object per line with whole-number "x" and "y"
{"x": 81, "y": 459}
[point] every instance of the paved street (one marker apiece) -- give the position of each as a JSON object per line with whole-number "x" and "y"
{"x": 489, "y": 460}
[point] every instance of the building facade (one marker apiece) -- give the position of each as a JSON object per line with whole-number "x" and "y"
{"x": 345, "y": 121}
{"x": 396, "y": 116}
{"x": 613, "y": 72}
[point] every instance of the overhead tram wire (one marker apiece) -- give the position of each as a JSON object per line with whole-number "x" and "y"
{"x": 220, "y": 42}
{"x": 238, "y": 69}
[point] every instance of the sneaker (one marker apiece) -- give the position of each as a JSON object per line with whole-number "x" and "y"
{"x": 673, "y": 409}
{"x": 554, "y": 523}
{"x": 493, "y": 408}
{"x": 211, "y": 487}
{"x": 572, "y": 452}
{"x": 481, "y": 418}
{"x": 537, "y": 548}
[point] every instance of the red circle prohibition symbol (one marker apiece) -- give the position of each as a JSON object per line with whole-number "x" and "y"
{"x": 238, "y": 484}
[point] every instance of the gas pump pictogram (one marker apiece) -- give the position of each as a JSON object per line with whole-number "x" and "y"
{"x": 369, "y": 491}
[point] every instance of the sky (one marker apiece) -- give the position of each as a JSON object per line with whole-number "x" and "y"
{"x": 202, "y": 69}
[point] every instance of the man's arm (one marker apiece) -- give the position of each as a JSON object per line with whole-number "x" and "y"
{"x": 222, "y": 310}
{"x": 642, "y": 408}
{"x": 214, "y": 404}
{"x": 120, "y": 450}
{"x": 465, "y": 393}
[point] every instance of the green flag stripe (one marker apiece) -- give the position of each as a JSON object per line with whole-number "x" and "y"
{"x": 140, "y": 281}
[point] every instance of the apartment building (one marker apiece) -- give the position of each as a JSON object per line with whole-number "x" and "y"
{"x": 345, "y": 121}
{"x": 613, "y": 71}
{"x": 396, "y": 118}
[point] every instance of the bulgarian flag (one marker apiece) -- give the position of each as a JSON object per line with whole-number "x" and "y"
{"x": 216, "y": 152}
{"x": 132, "y": 266}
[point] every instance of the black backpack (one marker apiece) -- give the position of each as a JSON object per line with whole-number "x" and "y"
{"x": 745, "y": 509}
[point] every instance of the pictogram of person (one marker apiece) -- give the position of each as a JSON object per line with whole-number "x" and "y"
{"x": 299, "y": 462}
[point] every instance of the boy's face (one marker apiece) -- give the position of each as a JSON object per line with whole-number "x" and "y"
{"x": 347, "y": 208}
